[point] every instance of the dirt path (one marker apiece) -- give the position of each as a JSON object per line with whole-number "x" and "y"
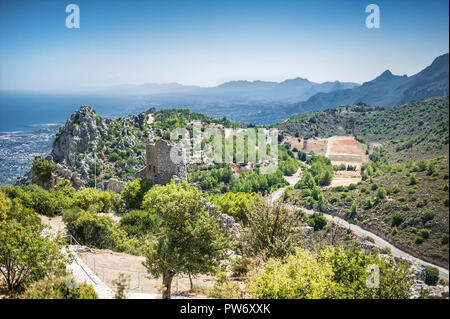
{"x": 292, "y": 180}
{"x": 107, "y": 265}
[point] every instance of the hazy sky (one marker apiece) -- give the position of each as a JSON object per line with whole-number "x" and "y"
{"x": 210, "y": 42}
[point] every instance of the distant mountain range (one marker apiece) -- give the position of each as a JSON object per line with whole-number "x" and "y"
{"x": 288, "y": 91}
{"x": 263, "y": 102}
{"x": 387, "y": 89}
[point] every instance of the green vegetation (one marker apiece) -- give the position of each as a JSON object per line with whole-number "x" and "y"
{"x": 223, "y": 180}
{"x": 330, "y": 273}
{"x": 317, "y": 222}
{"x": 26, "y": 255}
{"x": 273, "y": 231}
{"x": 431, "y": 275}
{"x": 405, "y": 184}
{"x": 57, "y": 288}
{"x": 133, "y": 193}
{"x": 377, "y": 124}
{"x": 237, "y": 205}
{"x": 138, "y": 223}
{"x": 188, "y": 239}
{"x": 319, "y": 173}
{"x": 92, "y": 229}
{"x": 122, "y": 285}
{"x": 43, "y": 169}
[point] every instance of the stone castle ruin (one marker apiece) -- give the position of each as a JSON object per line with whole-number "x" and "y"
{"x": 160, "y": 166}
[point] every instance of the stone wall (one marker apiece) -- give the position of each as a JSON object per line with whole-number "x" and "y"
{"x": 160, "y": 167}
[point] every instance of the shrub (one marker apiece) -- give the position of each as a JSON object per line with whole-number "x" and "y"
{"x": 122, "y": 284}
{"x": 134, "y": 192}
{"x": 427, "y": 215}
{"x": 369, "y": 203}
{"x": 353, "y": 209}
{"x": 419, "y": 240}
{"x": 397, "y": 219}
{"x": 94, "y": 199}
{"x": 272, "y": 230}
{"x": 424, "y": 233}
{"x": 240, "y": 266}
{"x": 381, "y": 193}
{"x": 413, "y": 180}
{"x": 331, "y": 273}
{"x": 236, "y": 204}
{"x": 316, "y": 221}
{"x": 431, "y": 275}
{"x": 396, "y": 189}
{"x": 138, "y": 222}
{"x": 444, "y": 239}
{"x": 49, "y": 203}
{"x": 394, "y": 230}
{"x": 58, "y": 288}
{"x": 43, "y": 169}
{"x": 26, "y": 255}
{"x": 302, "y": 275}
{"x": 95, "y": 230}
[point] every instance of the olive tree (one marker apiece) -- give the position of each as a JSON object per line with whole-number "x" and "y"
{"x": 273, "y": 230}
{"x": 188, "y": 239}
{"x": 26, "y": 255}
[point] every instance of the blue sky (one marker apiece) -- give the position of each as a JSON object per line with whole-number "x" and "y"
{"x": 210, "y": 42}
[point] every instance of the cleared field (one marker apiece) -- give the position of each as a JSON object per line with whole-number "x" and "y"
{"x": 347, "y": 146}
{"x": 340, "y": 150}
{"x": 318, "y": 146}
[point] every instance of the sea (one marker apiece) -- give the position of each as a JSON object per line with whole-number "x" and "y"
{"x": 29, "y": 122}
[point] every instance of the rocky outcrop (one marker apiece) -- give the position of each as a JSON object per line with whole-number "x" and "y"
{"x": 61, "y": 173}
{"x": 227, "y": 222}
{"x": 78, "y": 135}
{"x": 86, "y": 133}
{"x": 114, "y": 185}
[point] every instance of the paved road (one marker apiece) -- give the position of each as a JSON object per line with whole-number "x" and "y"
{"x": 364, "y": 233}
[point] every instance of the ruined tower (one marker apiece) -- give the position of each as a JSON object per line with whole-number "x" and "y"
{"x": 160, "y": 166}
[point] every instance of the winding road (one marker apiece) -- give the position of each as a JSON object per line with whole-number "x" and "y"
{"x": 361, "y": 232}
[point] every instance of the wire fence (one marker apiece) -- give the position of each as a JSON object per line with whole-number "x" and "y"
{"x": 139, "y": 281}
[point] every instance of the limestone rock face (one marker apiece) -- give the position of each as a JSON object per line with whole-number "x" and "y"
{"x": 78, "y": 135}
{"x": 227, "y": 222}
{"x": 114, "y": 185}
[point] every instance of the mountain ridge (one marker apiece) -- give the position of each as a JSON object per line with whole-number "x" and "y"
{"x": 387, "y": 89}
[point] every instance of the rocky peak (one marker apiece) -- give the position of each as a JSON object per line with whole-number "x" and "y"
{"x": 77, "y": 135}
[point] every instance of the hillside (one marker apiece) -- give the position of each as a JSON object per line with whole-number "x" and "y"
{"x": 387, "y": 89}
{"x": 403, "y": 195}
{"x": 122, "y": 141}
{"x": 371, "y": 123}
